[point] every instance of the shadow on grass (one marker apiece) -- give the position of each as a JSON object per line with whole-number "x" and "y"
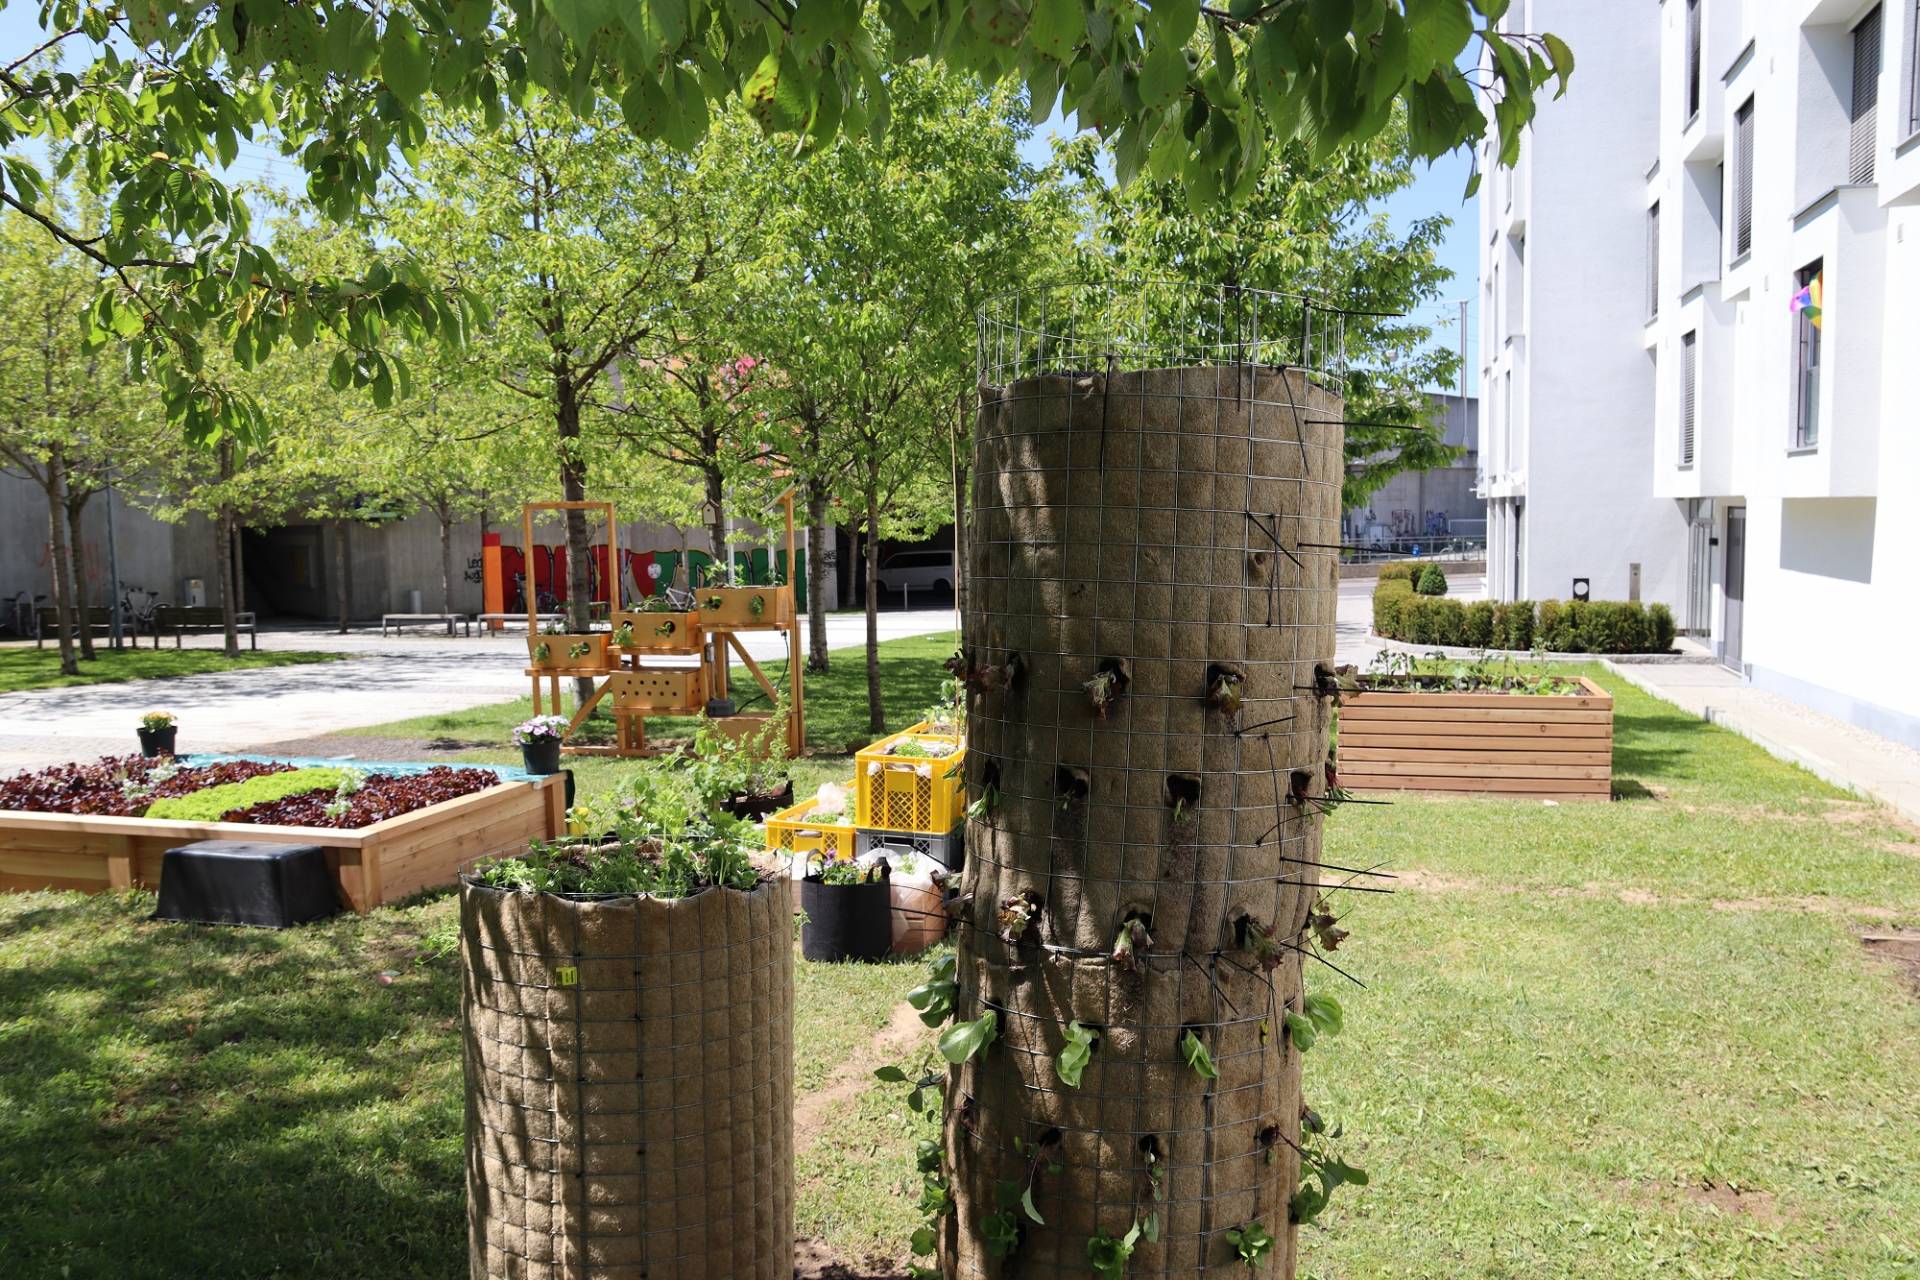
{"x": 1656, "y": 747}
{"x": 182, "y": 1100}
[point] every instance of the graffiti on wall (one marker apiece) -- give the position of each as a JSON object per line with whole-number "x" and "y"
{"x": 642, "y": 573}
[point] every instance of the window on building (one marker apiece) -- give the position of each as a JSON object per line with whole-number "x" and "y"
{"x": 1653, "y": 260}
{"x": 1864, "y": 115}
{"x": 1693, "y": 58}
{"x": 1689, "y": 394}
{"x": 1743, "y": 179}
{"x": 1913, "y": 72}
{"x": 1807, "y": 320}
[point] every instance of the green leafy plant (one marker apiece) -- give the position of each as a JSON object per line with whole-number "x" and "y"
{"x": 988, "y": 801}
{"x": 846, "y": 871}
{"x": 718, "y": 853}
{"x": 210, "y": 803}
{"x": 1075, "y": 1054}
{"x": 1001, "y": 1232}
{"x": 1431, "y": 582}
{"x": 1129, "y": 943}
{"x": 1252, "y": 1242}
{"x": 757, "y": 605}
{"x": 934, "y": 997}
{"x": 666, "y": 627}
{"x": 623, "y": 636}
{"x": 1194, "y": 1053}
{"x": 964, "y": 1039}
{"x": 1016, "y": 916}
{"x": 579, "y": 650}
{"x": 157, "y": 720}
{"x": 542, "y": 651}
{"x": 1109, "y": 1255}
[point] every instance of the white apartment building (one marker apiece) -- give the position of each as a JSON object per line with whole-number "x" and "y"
{"x": 1663, "y": 418}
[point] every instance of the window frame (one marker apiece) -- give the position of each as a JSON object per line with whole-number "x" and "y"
{"x": 1691, "y": 89}
{"x": 1863, "y": 95}
{"x": 1807, "y": 352}
{"x": 1689, "y": 397}
{"x": 1653, "y": 261}
{"x": 1742, "y": 179}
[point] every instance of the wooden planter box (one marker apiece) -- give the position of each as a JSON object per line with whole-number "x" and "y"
{"x": 731, "y": 608}
{"x": 1560, "y": 747}
{"x": 683, "y": 632}
{"x": 370, "y": 865}
{"x": 593, "y": 663}
{"x": 660, "y": 691}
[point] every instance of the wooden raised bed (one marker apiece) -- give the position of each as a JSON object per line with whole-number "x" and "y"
{"x": 1558, "y": 746}
{"x": 371, "y": 865}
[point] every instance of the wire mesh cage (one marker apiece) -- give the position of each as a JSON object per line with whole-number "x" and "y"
{"x": 1147, "y": 647}
{"x": 1078, "y": 327}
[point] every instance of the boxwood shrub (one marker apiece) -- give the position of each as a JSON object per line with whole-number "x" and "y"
{"x": 1557, "y": 626}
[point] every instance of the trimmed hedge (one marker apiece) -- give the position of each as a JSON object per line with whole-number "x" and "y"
{"x": 1557, "y": 626}
{"x": 212, "y": 803}
{"x": 1432, "y": 581}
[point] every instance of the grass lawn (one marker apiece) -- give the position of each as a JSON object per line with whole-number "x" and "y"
{"x": 1614, "y": 1040}
{"x": 28, "y": 668}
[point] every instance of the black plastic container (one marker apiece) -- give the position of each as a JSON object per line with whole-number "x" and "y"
{"x": 541, "y": 756}
{"x": 846, "y": 921}
{"x": 246, "y": 882}
{"x": 157, "y": 742}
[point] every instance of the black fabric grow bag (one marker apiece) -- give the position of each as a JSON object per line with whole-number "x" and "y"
{"x": 846, "y": 921}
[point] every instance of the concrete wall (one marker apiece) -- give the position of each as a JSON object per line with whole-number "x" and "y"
{"x": 292, "y": 571}
{"x": 1399, "y": 507}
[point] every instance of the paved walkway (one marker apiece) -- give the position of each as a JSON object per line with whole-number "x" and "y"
{"x": 1843, "y": 754}
{"x": 391, "y": 679}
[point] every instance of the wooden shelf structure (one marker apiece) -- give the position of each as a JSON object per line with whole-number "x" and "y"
{"x": 643, "y": 680}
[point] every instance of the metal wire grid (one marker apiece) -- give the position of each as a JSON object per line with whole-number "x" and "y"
{"x": 1011, "y": 348}
{"x": 566, "y": 1144}
{"x": 1084, "y": 326}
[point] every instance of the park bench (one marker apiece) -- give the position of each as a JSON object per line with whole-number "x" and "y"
{"x": 178, "y": 619}
{"x": 449, "y": 620}
{"x": 97, "y": 617}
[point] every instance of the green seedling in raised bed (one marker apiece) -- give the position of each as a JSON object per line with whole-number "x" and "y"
{"x": 1076, "y": 1053}
{"x": 1195, "y": 1054}
{"x": 1252, "y": 1242}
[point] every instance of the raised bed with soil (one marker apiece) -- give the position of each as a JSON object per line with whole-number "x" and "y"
{"x": 1396, "y": 735}
{"x": 77, "y": 826}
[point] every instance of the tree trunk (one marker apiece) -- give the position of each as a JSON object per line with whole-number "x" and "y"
{"x": 61, "y": 566}
{"x": 717, "y": 519}
{"x": 573, "y": 488}
{"x": 340, "y": 592}
{"x": 229, "y": 597}
{"x": 239, "y": 567}
{"x": 876, "y": 710}
{"x": 77, "y": 546}
{"x": 816, "y": 577}
{"x": 446, "y": 562}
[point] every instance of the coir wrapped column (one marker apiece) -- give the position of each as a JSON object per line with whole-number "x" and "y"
{"x": 1149, "y": 628}
{"x": 629, "y": 1067}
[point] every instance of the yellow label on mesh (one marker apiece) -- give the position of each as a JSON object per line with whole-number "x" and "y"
{"x": 566, "y": 975}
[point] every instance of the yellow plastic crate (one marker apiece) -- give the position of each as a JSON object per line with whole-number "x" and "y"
{"x": 910, "y": 792}
{"x": 790, "y": 832}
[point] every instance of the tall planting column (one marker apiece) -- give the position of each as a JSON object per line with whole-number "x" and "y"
{"x": 1148, "y": 634}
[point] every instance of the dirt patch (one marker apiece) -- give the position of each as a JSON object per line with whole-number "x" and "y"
{"x": 816, "y": 1260}
{"x": 1411, "y": 881}
{"x": 1900, "y": 948}
{"x": 1735, "y": 1202}
{"x": 1722, "y": 1197}
{"x": 1818, "y": 906}
{"x": 891, "y": 1043}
